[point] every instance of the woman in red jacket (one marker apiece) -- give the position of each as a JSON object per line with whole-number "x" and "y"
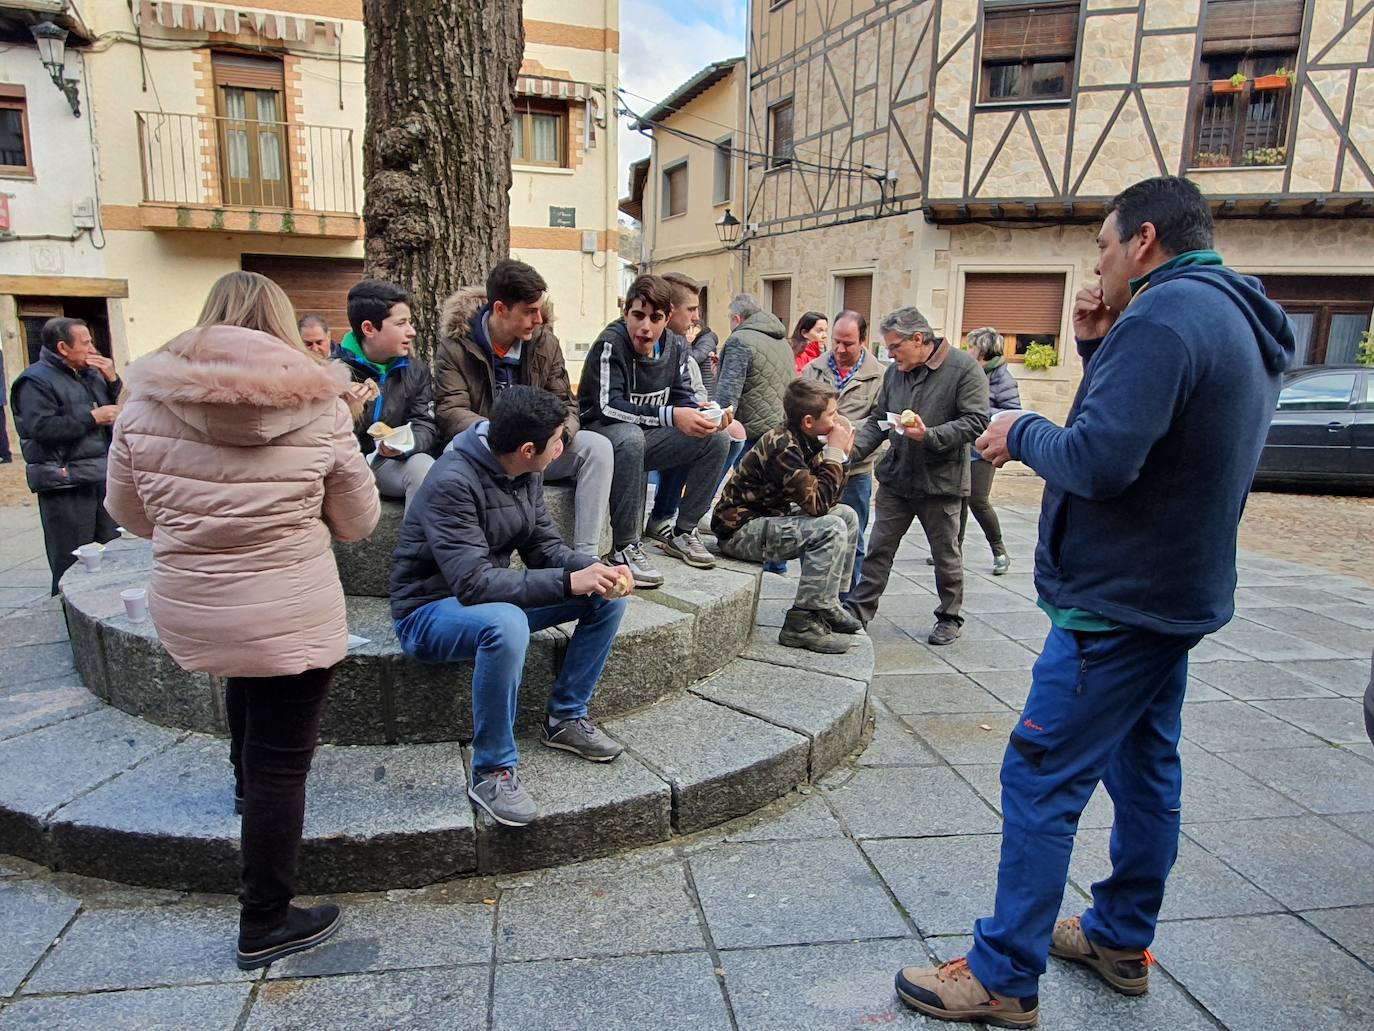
{"x": 808, "y": 339}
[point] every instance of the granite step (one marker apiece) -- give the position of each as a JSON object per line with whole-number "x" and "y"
{"x": 695, "y": 624}
{"x": 106, "y": 794}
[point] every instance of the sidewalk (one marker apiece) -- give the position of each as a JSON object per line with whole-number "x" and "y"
{"x": 798, "y": 917}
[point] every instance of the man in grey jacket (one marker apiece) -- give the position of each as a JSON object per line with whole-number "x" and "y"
{"x": 756, "y": 365}
{"x": 925, "y": 473}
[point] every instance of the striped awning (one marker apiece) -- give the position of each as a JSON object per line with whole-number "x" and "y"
{"x": 238, "y": 21}
{"x": 551, "y": 88}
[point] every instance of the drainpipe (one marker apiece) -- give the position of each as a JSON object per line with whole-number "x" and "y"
{"x": 744, "y": 139}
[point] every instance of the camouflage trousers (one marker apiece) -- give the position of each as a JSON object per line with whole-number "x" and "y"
{"x": 824, "y": 543}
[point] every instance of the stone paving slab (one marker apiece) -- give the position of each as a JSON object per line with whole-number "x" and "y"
{"x": 1200, "y": 884}
{"x": 1352, "y": 928}
{"x": 630, "y": 994}
{"x": 909, "y": 802}
{"x": 586, "y": 810}
{"x": 827, "y": 710}
{"x": 1303, "y": 861}
{"x": 1238, "y": 727}
{"x": 720, "y": 763}
{"x": 1216, "y": 789}
{"x": 894, "y": 743}
{"x": 43, "y": 770}
{"x": 1206, "y": 956}
{"x": 156, "y": 1009}
{"x": 418, "y": 1000}
{"x": 1346, "y": 677}
{"x": 1248, "y": 680}
{"x": 787, "y": 820}
{"x": 855, "y": 664}
{"x": 1325, "y": 780}
{"x": 1338, "y": 720}
{"x": 618, "y": 914}
{"x": 42, "y": 703}
{"x": 820, "y": 987}
{"x": 22, "y": 665}
{"x": 33, "y": 914}
{"x": 401, "y": 932}
{"x": 144, "y": 946}
{"x": 785, "y": 893}
{"x": 932, "y": 693}
{"x": 970, "y": 737}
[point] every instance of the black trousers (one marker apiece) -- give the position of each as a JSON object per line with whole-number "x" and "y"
{"x": 274, "y": 723}
{"x": 980, "y": 481}
{"x": 71, "y": 517}
{"x": 4, "y": 434}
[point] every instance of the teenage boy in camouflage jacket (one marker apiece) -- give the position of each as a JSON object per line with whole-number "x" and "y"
{"x": 783, "y": 502}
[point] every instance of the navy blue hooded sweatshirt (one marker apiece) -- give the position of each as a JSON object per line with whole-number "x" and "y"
{"x": 1146, "y": 483}
{"x": 462, "y": 526}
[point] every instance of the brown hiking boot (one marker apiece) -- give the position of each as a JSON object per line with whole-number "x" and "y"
{"x": 1126, "y": 970}
{"x": 951, "y": 992}
{"x": 802, "y": 628}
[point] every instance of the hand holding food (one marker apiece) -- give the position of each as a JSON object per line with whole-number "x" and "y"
{"x": 379, "y": 429}
{"x": 910, "y": 418}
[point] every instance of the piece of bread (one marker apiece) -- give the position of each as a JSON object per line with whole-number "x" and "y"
{"x": 909, "y": 418}
{"x": 621, "y": 588}
{"x": 378, "y": 430}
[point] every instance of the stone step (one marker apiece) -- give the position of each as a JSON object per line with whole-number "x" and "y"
{"x": 109, "y": 795}
{"x": 689, "y": 628}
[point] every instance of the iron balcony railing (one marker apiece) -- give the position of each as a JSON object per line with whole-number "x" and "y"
{"x": 197, "y": 160}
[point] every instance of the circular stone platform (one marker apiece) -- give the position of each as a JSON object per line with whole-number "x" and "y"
{"x": 717, "y": 720}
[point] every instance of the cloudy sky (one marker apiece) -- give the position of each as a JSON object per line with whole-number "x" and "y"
{"x": 662, "y": 45}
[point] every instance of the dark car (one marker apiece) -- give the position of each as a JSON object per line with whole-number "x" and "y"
{"x": 1323, "y": 428}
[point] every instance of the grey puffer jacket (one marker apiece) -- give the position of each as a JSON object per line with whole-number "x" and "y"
{"x": 755, "y": 367}
{"x": 1003, "y": 393}
{"x": 950, "y": 393}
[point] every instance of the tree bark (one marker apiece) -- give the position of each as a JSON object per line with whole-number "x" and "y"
{"x": 437, "y": 146}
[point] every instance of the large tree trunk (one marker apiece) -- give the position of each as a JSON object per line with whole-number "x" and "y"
{"x": 436, "y": 151}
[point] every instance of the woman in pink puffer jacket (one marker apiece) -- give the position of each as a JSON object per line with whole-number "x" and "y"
{"x": 235, "y": 453}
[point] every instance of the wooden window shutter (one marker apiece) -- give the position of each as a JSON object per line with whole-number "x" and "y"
{"x": 858, "y": 295}
{"x": 243, "y": 72}
{"x": 1014, "y": 303}
{"x": 675, "y": 183}
{"x": 1022, "y": 33}
{"x": 1234, "y": 26}
{"x": 780, "y": 300}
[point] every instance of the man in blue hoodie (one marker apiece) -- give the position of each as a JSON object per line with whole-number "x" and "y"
{"x": 455, "y": 598}
{"x": 1144, "y": 489}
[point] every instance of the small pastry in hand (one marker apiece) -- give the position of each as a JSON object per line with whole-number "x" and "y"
{"x": 378, "y": 430}
{"x": 621, "y": 588}
{"x": 909, "y": 418}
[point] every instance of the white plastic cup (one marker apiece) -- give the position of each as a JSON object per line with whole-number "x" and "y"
{"x": 1005, "y": 415}
{"x": 90, "y": 554}
{"x": 127, "y": 535}
{"x": 135, "y": 604}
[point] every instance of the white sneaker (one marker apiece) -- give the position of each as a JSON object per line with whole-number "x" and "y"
{"x": 688, "y": 547}
{"x": 645, "y": 576}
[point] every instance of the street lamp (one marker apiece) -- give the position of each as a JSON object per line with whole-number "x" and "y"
{"x": 727, "y": 228}
{"x": 52, "y": 51}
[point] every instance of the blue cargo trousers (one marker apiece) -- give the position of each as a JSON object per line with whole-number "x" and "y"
{"x": 1103, "y": 707}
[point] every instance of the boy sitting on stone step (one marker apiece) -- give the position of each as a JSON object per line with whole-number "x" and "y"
{"x": 455, "y": 598}
{"x": 783, "y": 502}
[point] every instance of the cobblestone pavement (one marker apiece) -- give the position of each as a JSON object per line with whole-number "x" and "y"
{"x": 796, "y": 918}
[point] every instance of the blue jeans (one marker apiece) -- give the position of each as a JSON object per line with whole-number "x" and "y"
{"x": 858, "y": 495}
{"x": 671, "y": 483}
{"x": 497, "y": 635}
{"x": 1103, "y": 707}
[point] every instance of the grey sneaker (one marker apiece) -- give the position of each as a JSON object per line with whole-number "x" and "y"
{"x": 945, "y": 631}
{"x": 632, "y": 555}
{"x": 582, "y": 738}
{"x": 1000, "y": 564}
{"x": 660, "y": 531}
{"x": 688, "y": 547}
{"x": 504, "y": 798}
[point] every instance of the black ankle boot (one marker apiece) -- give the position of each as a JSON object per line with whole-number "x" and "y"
{"x": 303, "y": 929}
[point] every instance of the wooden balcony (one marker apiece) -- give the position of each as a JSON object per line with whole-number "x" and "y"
{"x": 247, "y": 176}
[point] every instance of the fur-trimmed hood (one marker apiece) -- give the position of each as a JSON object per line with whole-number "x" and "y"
{"x": 455, "y": 318}
{"x": 237, "y": 385}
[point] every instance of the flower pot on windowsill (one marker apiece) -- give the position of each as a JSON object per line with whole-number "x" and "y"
{"x": 1226, "y": 86}
{"x": 1271, "y": 82}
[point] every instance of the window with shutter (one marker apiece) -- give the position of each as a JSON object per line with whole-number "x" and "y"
{"x": 1024, "y": 308}
{"x": 780, "y": 147}
{"x": 16, "y": 152}
{"x": 674, "y": 190}
{"x": 780, "y": 299}
{"x": 249, "y": 98}
{"x": 856, "y": 294}
{"x": 1242, "y": 97}
{"x": 724, "y": 172}
{"x": 1028, "y": 51}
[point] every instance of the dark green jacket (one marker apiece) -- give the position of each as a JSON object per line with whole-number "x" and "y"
{"x": 756, "y": 365}
{"x": 952, "y": 399}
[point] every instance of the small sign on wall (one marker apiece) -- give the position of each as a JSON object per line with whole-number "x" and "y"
{"x": 563, "y": 218}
